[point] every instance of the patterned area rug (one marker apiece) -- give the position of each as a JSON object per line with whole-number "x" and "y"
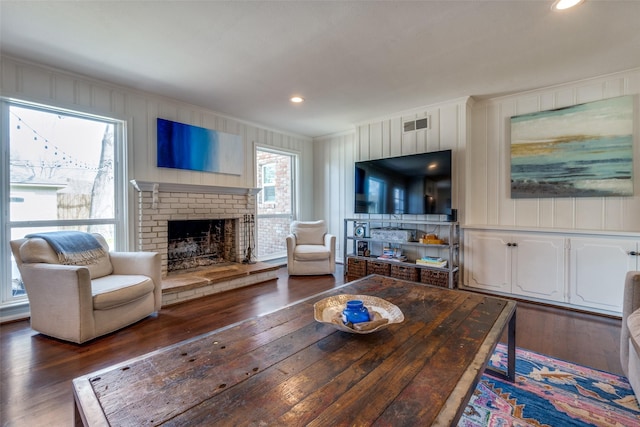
{"x": 550, "y": 392}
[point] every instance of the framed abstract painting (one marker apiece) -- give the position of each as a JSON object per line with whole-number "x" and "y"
{"x": 584, "y": 150}
{"x": 182, "y": 146}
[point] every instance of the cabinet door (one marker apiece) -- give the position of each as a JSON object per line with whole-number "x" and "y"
{"x": 538, "y": 266}
{"x": 597, "y": 270}
{"x": 489, "y": 261}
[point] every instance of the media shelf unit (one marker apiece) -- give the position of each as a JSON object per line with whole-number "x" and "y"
{"x": 403, "y": 235}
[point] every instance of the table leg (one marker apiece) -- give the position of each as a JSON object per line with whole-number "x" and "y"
{"x": 511, "y": 349}
{"x": 510, "y": 375}
{"x": 77, "y": 418}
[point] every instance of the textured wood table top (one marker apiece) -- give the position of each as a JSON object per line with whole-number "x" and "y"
{"x": 284, "y": 368}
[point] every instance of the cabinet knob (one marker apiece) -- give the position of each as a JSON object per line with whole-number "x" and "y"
{"x": 512, "y": 244}
{"x": 634, "y": 253}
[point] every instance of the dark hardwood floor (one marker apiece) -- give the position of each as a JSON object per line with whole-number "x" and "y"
{"x": 36, "y": 371}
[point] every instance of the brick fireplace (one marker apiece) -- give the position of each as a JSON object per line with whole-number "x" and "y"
{"x": 161, "y": 203}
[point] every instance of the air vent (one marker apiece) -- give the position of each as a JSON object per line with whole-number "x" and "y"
{"x": 422, "y": 123}
{"x": 414, "y": 125}
{"x": 410, "y": 126}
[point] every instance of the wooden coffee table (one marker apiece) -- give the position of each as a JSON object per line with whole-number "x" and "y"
{"x": 284, "y": 368}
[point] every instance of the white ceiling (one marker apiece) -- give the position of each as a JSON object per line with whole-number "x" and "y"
{"x": 351, "y": 60}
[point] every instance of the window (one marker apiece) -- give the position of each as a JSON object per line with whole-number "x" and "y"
{"x": 268, "y": 183}
{"x": 65, "y": 172}
{"x": 276, "y": 175}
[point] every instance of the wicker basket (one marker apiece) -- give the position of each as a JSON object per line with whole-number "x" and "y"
{"x": 356, "y": 267}
{"x": 405, "y": 272}
{"x": 378, "y": 267}
{"x": 437, "y": 277}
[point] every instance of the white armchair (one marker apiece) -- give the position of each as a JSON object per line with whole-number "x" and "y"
{"x": 310, "y": 249}
{"x": 80, "y": 302}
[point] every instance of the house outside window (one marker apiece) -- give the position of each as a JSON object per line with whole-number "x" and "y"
{"x": 64, "y": 170}
{"x": 268, "y": 193}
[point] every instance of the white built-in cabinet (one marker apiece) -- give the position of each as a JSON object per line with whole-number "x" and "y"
{"x": 598, "y": 267}
{"x": 516, "y": 263}
{"x": 581, "y": 270}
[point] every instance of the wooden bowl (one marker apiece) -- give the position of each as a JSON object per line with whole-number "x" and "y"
{"x": 329, "y": 311}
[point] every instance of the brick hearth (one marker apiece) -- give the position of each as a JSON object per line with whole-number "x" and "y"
{"x": 185, "y": 286}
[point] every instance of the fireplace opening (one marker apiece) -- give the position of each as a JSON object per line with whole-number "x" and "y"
{"x": 200, "y": 243}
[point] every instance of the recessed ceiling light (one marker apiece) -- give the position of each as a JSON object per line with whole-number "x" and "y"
{"x": 296, "y": 99}
{"x": 565, "y": 4}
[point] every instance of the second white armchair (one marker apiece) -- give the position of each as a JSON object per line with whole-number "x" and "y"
{"x": 310, "y": 249}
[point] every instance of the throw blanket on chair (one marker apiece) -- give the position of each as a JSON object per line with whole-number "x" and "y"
{"x": 73, "y": 247}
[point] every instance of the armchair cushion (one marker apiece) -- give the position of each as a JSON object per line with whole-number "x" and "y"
{"x": 37, "y": 250}
{"x": 115, "y": 290}
{"x": 311, "y": 253}
{"x": 309, "y": 233}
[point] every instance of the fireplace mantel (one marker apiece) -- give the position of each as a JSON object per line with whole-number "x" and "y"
{"x": 166, "y": 187}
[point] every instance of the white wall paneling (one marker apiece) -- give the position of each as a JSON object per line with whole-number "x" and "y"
{"x": 333, "y": 173}
{"x": 335, "y": 155}
{"x": 36, "y": 83}
{"x": 488, "y": 200}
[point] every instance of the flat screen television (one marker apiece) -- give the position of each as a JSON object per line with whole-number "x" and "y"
{"x": 418, "y": 184}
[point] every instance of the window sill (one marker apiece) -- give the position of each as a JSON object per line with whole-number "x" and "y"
{"x": 14, "y": 310}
